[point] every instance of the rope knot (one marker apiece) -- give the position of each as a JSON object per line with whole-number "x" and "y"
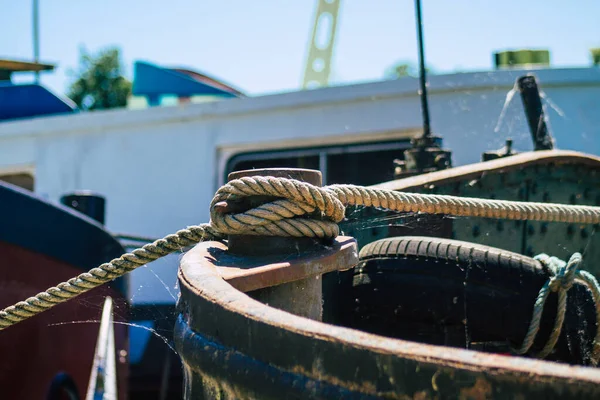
{"x": 289, "y": 208}
{"x": 562, "y": 280}
{"x": 564, "y": 273}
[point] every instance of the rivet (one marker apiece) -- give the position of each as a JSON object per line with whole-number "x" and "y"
{"x": 500, "y": 226}
{"x": 546, "y": 197}
{"x": 544, "y": 227}
{"x": 476, "y": 231}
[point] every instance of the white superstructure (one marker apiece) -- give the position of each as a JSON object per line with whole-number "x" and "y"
{"x": 159, "y": 167}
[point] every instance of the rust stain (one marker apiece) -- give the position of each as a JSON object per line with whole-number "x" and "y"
{"x": 481, "y": 390}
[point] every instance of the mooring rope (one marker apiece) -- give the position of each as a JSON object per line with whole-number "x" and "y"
{"x": 300, "y": 210}
{"x": 564, "y": 275}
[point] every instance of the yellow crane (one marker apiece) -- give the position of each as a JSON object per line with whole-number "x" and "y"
{"x": 318, "y": 63}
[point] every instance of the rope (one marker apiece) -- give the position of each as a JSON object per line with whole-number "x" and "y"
{"x": 104, "y": 273}
{"x": 562, "y": 279}
{"x": 299, "y": 210}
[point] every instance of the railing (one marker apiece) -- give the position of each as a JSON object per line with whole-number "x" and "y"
{"x": 103, "y": 379}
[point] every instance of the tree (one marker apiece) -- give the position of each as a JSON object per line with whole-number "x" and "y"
{"x": 404, "y": 68}
{"x": 99, "y": 83}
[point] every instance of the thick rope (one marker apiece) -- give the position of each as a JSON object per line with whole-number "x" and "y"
{"x": 104, "y": 273}
{"x": 564, "y": 275}
{"x": 300, "y": 210}
{"x": 280, "y": 218}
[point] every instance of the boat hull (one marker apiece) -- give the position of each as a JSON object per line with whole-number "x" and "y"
{"x": 42, "y": 244}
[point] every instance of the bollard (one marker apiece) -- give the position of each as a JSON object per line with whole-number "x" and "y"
{"x": 302, "y": 297}
{"x": 88, "y": 203}
{"x": 281, "y": 272}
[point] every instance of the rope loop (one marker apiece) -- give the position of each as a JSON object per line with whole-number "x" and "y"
{"x": 563, "y": 277}
{"x": 299, "y": 209}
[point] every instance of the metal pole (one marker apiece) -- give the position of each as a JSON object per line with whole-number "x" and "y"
{"x": 534, "y": 110}
{"x": 422, "y": 72}
{"x": 36, "y": 37}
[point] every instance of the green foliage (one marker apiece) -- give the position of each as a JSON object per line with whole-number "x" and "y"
{"x": 99, "y": 83}
{"x": 595, "y": 56}
{"x": 403, "y": 69}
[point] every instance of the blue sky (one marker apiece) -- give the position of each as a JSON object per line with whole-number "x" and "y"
{"x": 260, "y": 46}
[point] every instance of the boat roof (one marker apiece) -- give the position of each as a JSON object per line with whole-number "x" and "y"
{"x": 23, "y": 66}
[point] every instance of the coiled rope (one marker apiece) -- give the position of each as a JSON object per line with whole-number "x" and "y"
{"x": 564, "y": 275}
{"x": 301, "y": 210}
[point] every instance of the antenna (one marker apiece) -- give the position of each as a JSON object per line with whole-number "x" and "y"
{"x": 425, "y": 154}
{"x": 422, "y": 72}
{"x": 36, "y": 37}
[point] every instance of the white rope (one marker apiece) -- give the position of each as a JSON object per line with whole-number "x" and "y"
{"x": 562, "y": 279}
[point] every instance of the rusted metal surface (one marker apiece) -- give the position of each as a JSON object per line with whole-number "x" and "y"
{"x": 233, "y": 346}
{"x": 517, "y": 162}
{"x": 543, "y": 176}
{"x": 284, "y": 272}
{"x": 248, "y": 273}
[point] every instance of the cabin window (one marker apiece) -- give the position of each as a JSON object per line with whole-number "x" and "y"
{"x": 24, "y": 180}
{"x": 358, "y": 164}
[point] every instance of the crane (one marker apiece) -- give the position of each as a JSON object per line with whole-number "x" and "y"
{"x": 318, "y": 63}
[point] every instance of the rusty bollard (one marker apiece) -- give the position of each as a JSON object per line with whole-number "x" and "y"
{"x": 283, "y": 272}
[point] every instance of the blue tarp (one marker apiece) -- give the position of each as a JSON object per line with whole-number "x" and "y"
{"x": 30, "y": 100}
{"x": 153, "y": 81}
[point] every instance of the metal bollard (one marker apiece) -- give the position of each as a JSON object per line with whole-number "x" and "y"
{"x": 299, "y": 296}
